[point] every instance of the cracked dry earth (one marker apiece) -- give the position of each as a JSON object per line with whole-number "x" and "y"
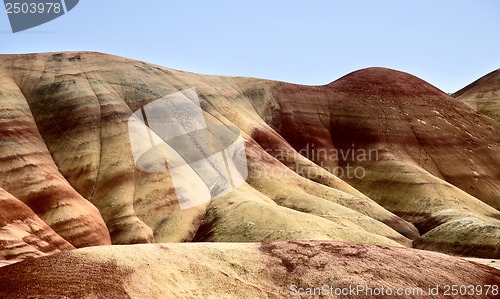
{"x": 69, "y": 186}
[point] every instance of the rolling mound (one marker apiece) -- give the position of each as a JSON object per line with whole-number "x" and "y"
{"x": 483, "y": 95}
{"x": 376, "y": 157}
{"x": 232, "y": 270}
{"x": 78, "y": 106}
{"x": 421, "y": 152}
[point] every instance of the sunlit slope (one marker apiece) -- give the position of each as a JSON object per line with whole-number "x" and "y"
{"x": 483, "y": 95}
{"x": 66, "y": 153}
{"x": 78, "y": 106}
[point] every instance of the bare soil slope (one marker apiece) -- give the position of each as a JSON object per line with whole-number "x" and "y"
{"x": 425, "y": 157}
{"x": 65, "y": 153}
{"x": 66, "y": 149}
{"x": 483, "y": 95}
{"x": 232, "y": 270}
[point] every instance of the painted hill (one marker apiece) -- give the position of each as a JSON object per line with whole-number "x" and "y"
{"x": 75, "y": 108}
{"x": 376, "y": 157}
{"x": 235, "y": 270}
{"x": 483, "y": 95}
{"x": 446, "y": 155}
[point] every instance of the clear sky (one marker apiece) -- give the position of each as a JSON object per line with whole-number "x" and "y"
{"x": 447, "y": 43}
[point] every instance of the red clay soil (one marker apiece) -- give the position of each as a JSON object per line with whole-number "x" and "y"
{"x": 23, "y": 234}
{"x": 375, "y": 267}
{"x": 399, "y": 114}
{"x": 218, "y": 270}
{"x": 63, "y": 276}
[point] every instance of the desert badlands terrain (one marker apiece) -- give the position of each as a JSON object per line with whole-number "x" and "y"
{"x": 377, "y": 181}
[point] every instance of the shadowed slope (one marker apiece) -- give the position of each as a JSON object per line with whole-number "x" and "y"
{"x": 431, "y": 153}
{"x": 29, "y": 173}
{"x": 463, "y": 234}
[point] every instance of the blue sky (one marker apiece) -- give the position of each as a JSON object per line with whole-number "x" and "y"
{"x": 447, "y": 43}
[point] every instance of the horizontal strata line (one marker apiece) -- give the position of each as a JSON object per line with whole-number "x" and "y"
{"x": 65, "y": 229}
{"x": 73, "y": 234}
{"x": 71, "y": 119}
{"x": 80, "y": 221}
{"x": 17, "y": 245}
{"x": 17, "y": 155}
{"x": 42, "y": 167}
{"x": 24, "y": 255}
{"x": 27, "y": 69}
{"x": 15, "y": 123}
{"x": 84, "y": 103}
